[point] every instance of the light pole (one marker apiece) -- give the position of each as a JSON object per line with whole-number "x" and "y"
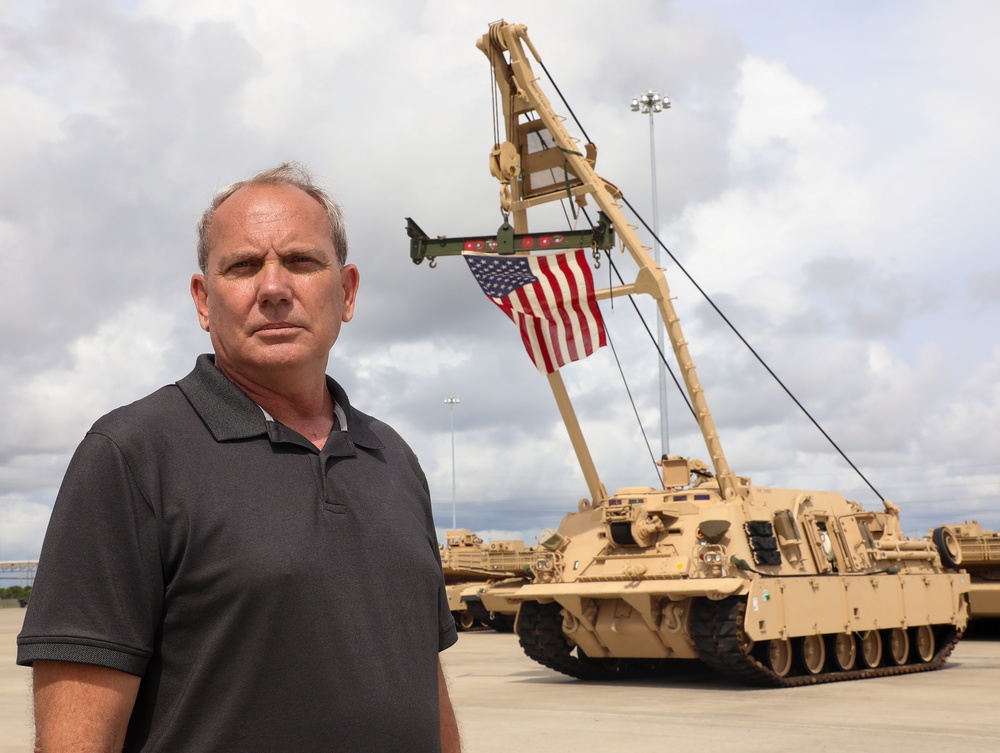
{"x": 651, "y": 103}
{"x": 451, "y": 402}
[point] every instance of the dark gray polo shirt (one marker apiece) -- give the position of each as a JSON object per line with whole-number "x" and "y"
{"x": 273, "y": 597}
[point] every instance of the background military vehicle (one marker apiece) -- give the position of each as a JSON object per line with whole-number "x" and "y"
{"x": 469, "y": 565}
{"x": 770, "y": 586}
{"x": 967, "y": 546}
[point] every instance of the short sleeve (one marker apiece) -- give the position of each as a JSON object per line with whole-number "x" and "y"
{"x": 448, "y": 633}
{"x": 98, "y": 593}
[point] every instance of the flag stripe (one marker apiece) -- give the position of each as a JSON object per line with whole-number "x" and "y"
{"x": 543, "y": 298}
{"x": 561, "y": 327}
{"x": 551, "y": 300}
{"x": 574, "y": 315}
{"x": 588, "y": 312}
{"x": 551, "y": 326}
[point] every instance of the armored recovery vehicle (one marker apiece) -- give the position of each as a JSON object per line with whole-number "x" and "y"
{"x": 969, "y": 547}
{"x": 469, "y": 565}
{"x": 771, "y": 586}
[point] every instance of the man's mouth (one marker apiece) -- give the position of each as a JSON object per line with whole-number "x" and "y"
{"x": 272, "y": 326}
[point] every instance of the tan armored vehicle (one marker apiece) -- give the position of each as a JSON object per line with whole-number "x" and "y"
{"x": 770, "y": 586}
{"x": 971, "y": 548}
{"x": 469, "y": 565}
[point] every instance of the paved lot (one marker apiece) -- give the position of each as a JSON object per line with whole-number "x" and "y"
{"x": 15, "y": 701}
{"x": 507, "y": 703}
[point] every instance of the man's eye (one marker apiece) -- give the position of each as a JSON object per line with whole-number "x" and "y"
{"x": 243, "y": 265}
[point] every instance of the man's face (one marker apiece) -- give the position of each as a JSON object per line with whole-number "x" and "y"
{"x": 273, "y": 296}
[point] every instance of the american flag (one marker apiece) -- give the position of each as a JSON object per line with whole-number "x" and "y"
{"x": 551, "y": 300}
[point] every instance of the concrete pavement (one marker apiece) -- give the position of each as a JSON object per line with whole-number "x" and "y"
{"x": 16, "y": 735}
{"x": 506, "y": 703}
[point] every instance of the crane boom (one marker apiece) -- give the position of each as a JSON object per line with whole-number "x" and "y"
{"x": 538, "y": 146}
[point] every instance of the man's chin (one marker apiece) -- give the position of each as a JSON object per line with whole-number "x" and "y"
{"x": 274, "y": 357}
{"x": 279, "y": 356}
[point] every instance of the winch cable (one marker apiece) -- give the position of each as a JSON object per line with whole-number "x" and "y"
{"x": 621, "y": 371}
{"x": 494, "y": 96}
{"x": 712, "y": 304}
{"x": 663, "y": 357}
{"x": 571, "y": 224}
{"x": 635, "y": 410}
{"x": 652, "y": 338}
{"x": 565, "y": 103}
{"x": 631, "y": 298}
{"x": 614, "y": 351}
{"x": 751, "y": 349}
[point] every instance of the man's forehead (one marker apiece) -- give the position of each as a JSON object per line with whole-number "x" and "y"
{"x": 260, "y": 207}
{"x": 277, "y": 199}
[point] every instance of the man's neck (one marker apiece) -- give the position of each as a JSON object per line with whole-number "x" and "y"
{"x": 301, "y": 402}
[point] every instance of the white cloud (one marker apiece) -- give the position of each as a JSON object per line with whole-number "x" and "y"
{"x": 33, "y": 123}
{"x": 796, "y": 193}
{"x": 838, "y": 208}
{"x": 123, "y": 359}
{"x": 22, "y": 527}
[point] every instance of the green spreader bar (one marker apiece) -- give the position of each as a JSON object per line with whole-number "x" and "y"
{"x": 506, "y": 241}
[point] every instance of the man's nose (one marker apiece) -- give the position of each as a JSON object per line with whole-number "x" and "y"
{"x": 275, "y": 283}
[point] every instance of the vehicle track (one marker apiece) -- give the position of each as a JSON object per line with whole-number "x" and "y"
{"x": 539, "y": 631}
{"x": 716, "y": 628}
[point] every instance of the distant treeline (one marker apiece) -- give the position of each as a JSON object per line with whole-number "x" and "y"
{"x": 21, "y": 593}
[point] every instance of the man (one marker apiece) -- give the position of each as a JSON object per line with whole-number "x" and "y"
{"x": 242, "y": 561}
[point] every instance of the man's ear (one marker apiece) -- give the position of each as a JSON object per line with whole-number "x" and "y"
{"x": 199, "y": 294}
{"x": 350, "y": 278}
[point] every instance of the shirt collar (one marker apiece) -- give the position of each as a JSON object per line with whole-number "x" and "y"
{"x": 229, "y": 414}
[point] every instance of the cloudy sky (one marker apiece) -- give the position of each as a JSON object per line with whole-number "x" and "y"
{"x": 828, "y": 174}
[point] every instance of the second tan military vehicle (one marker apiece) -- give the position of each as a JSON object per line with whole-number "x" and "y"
{"x": 969, "y": 547}
{"x": 469, "y": 565}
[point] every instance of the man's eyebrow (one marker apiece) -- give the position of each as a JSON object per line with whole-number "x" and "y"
{"x": 228, "y": 257}
{"x": 302, "y": 250}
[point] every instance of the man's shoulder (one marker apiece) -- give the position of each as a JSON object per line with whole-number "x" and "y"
{"x": 166, "y": 404}
{"x": 378, "y": 428}
{"x": 204, "y": 398}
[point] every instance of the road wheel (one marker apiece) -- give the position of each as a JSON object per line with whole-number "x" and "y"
{"x": 844, "y": 650}
{"x": 464, "y": 620}
{"x": 923, "y": 643}
{"x": 779, "y": 656}
{"x": 813, "y": 654}
{"x": 899, "y": 646}
{"x": 871, "y": 648}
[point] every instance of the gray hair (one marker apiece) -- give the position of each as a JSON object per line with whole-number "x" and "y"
{"x": 286, "y": 174}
